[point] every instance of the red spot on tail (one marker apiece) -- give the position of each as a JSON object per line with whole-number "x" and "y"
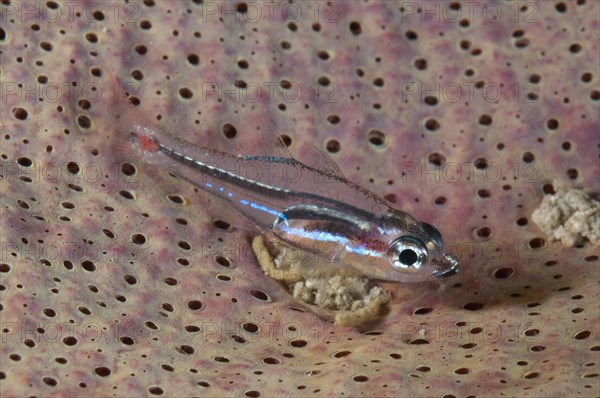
{"x": 147, "y": 144}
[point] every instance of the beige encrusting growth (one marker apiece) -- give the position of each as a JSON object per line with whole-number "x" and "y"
{"x": 346, "y": 298}
{"x": 570, "y": 215}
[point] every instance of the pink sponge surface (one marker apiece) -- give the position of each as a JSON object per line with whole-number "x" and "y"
{"x": 118, "y": 279}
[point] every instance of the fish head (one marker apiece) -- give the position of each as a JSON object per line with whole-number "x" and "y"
{"x": 415, "y": 250}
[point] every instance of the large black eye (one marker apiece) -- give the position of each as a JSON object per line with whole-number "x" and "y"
{"x": 407, "y": 254}
{"x": 408, "y": 257}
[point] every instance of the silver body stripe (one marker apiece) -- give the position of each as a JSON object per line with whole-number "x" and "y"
{"x": 226, "y": 172}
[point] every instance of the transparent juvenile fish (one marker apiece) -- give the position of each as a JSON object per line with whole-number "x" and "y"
{"x": 310, "y": 207}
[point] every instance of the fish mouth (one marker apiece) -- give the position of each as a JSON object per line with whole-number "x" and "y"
{"x": 451, "y": 267}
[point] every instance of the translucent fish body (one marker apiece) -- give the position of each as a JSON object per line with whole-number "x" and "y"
{"x": 310, "y": 207}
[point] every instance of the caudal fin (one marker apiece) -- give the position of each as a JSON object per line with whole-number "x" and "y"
{"x": 132, "y": 132}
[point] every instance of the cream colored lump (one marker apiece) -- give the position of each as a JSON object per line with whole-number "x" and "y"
{"x": 344, "y": 297}
{"x": 570, "y": 215}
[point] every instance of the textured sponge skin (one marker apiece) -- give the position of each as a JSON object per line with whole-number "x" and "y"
{"x": 117, "y": 278}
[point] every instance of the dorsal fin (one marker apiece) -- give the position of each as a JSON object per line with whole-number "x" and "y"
{"x": 318, "y": 158}
{"x": 270, "y": 140}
